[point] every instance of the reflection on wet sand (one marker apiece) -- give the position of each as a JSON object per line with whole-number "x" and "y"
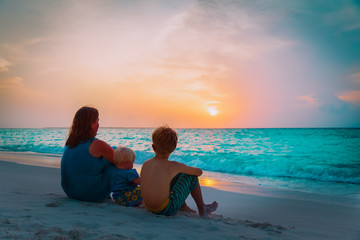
{"x": 207, "y": 182}
{"x": 221, "y": 185}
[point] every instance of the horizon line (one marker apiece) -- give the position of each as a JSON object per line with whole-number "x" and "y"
{"x": 355, "y": 127}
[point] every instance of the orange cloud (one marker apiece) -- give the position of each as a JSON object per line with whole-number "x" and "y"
{"x": 13, "y": 88}
{"x": 310, "y": 99}
{"x": 4, "y": 65}
{"x": 351, "y": 97}
{"x": 11, "y": 83}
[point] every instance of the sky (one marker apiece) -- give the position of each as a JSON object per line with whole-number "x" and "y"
{"x": 188, "y": 64}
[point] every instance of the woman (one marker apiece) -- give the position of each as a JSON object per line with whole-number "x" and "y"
{"x": 86, "y": 168}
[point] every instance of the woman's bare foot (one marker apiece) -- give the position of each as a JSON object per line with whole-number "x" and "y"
{"x": 208, "y": 208}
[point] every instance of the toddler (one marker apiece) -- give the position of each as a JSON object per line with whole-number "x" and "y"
{"x": 124, "y": 184}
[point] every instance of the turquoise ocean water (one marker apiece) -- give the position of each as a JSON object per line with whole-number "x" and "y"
{"x": 310, "y": 160}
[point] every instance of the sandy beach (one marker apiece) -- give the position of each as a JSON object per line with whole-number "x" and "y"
{"x": 33, "y": 206}
{"x": 264, "y": 97}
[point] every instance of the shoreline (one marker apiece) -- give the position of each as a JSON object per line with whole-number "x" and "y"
{"x": 33, "y": 205}
{"x": 220, "y": 181}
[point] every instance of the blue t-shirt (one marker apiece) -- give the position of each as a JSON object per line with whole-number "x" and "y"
{"x": 122, "y": 178}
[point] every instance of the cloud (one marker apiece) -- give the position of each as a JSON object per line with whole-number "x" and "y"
{"x": 198, "y": 35}
{"x": 330, "y": 103}
{"x": 335, "y": 108}
{"x": 356, "y": 77}
{"x": 309, "y": 99}
{"x": 353, "y": 27}
{"x": 4, "y": 65}
{"x": 228, "y": 29}
{"x": 348, "y": 16}
{"x": 352, "y": 97}
{"x": 14, "y": 88}
{"x": 11, "y": 83}
{"x": 19, "y": 51}
{"x": 20, "y": 46}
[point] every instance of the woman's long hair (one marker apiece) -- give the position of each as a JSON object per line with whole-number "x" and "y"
{"x": 81, "y": 127}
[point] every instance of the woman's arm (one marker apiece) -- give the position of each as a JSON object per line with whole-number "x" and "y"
{"x": 100, "y": 148}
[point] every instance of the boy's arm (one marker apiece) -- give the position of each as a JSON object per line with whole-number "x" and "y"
{"x": 188, "y": 170}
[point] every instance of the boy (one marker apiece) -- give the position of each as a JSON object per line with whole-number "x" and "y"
{"x": 166, "y": 184}
{"x": 125, "y": 181}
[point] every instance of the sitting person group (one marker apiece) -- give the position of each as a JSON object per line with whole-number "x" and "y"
{"x": 92, "y": 171}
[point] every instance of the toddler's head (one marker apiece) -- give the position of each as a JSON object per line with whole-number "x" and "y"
{"x": 164, "y": 139}
{"x": 124, "y": 157}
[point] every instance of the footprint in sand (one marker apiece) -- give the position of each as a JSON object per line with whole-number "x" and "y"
{"x": 53, "y": 204}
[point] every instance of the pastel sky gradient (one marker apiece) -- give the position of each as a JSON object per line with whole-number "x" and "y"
{"x": 211, "y": 63}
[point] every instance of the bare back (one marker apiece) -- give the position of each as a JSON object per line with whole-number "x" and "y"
{"x": 156, "y": 175}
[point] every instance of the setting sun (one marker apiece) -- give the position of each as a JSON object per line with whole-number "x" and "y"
{"x": 212, "y": 110}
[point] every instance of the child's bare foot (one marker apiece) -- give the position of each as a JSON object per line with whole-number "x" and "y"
{"x": 141, "y": 205}
{"x": 208, "y": 208}
{"x": 186, "y": 208}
